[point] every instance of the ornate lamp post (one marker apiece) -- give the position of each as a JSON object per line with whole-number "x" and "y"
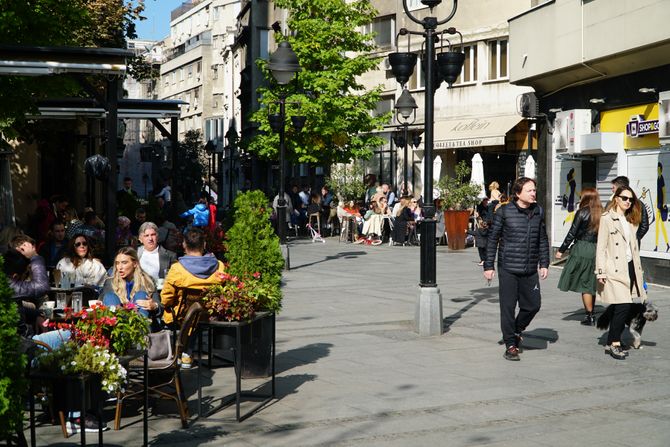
{"x": 283, "y": 65}
{"x": 447, "y": 67}
{"x": 405, "y": 108}
{"x": 233, "y": 138}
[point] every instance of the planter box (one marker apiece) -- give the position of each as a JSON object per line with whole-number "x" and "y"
{"x": 456, "y": 222}
{"x": 255, "y": 342}
{"x": 66, "y": 392}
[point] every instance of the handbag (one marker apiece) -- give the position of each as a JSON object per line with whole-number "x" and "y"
{"x": 664, "y": 213}
{"x": 160, "y": 345}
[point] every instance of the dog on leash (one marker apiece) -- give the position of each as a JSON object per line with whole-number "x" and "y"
{"x": 637, "y": 317}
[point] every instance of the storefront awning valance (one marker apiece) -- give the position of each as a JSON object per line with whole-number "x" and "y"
{"x": 473, "y": 132}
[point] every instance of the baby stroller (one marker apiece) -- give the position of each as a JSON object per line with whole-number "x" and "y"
{"x": 316, "y": 236}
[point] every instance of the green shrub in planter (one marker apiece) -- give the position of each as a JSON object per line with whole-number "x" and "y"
{"x": 253, "y": 247}
{"x": 13, "y": 384}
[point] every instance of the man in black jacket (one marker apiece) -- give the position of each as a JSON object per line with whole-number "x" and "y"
{"x": 519, "y": 235}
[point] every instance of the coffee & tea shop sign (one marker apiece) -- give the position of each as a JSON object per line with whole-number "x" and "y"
{"x": 467, "y": 133}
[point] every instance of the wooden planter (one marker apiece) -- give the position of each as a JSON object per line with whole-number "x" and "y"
{"x": 456, "y": 223}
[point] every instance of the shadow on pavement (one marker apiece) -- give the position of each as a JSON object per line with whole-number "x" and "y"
{"x": 477, "y": 296}
{"x": 192, "y": 436}
{"x": 539, "y": 338}
{"x": 578, "y": 315}
{"x": 340, "y": 255}
{"x": 301, "y": 356}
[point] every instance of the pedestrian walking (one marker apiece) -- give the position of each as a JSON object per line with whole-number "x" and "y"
{"x": 579, "y": 272}
{"x": 519, "y": 236}
{"x": 618, "y": 265}
{"x": 481, "y": 235}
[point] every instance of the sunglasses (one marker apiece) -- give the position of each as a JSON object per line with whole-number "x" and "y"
{"x": 80, "y": 244}
{"x": 627, "y": 199}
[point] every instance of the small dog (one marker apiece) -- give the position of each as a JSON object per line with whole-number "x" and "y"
{"x": 637, "y": 317}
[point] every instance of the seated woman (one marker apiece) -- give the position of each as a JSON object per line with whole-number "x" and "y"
{"x": 372, "y": 227}
{"x": 129, "y": 283}
{"x": 80, "y": 264}
{"x": 403, "y": 220}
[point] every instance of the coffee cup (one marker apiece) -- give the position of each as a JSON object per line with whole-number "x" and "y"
{"x": 92, "y": 303}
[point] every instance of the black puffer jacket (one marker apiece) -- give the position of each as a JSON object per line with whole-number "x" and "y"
{"x": 520, "y": 235}
{"x": 580, "y": 230}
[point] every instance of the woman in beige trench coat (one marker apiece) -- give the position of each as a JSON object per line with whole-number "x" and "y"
{"x": 618, "y": 266}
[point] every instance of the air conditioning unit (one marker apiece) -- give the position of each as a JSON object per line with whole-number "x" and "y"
{"x": 569, "y": 126}
{"x": 664, "y": 117}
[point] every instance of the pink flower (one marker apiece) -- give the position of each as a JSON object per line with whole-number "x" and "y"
{"x": 257, "y": 275}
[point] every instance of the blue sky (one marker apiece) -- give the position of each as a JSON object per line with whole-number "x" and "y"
{"x": 157, "y": 24}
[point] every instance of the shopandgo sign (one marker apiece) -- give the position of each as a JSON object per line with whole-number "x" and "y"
{"x": 638, "y": 127}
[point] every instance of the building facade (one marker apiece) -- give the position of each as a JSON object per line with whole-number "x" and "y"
{"x": 601, "y": 73}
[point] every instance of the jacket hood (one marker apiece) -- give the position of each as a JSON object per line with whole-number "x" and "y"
{"x": 200, "y": 266}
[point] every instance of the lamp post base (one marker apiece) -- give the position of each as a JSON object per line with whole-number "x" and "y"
{"x": 286, "y": 254}
{"x": 428, "y": 312}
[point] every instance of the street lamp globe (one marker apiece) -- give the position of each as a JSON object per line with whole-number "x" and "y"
{"x": 406, "y": 105}
{"x": 284, "y": 64}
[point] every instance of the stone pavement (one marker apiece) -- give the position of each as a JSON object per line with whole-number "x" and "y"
{"x": 351, "y": 371}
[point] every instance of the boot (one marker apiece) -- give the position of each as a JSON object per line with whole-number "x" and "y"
{"x": 589, "y": 319}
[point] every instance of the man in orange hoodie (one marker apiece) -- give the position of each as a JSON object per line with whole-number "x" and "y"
{"x": 194, "y": 270}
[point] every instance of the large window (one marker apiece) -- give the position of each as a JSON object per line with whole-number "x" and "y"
{"x": 418, "y": 80}
{"x": 469, "y": 73}
{"x": 497, "y": 59}
{"x": 384, "y": 29}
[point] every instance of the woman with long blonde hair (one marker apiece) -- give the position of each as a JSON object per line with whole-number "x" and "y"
{"x": 578, "y": 274}
{"x": 618, "y": 266}
{"x": 130, "y": 284}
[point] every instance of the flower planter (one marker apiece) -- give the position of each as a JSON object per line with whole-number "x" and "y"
{"x": 255, "y": 342}
{"x": 456, "y": 222}
{"x": 66, "y": 392}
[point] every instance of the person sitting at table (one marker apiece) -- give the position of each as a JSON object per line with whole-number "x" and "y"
{"x": 154, "y": 259}
{"x": 194, "y": 270}
{"x": 80, "y": 264}
{"x": 129, "y": 283}
{"x": 54, "y": 248}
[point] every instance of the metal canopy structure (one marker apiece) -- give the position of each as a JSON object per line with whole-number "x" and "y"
{"x": 127, "y": 108}
{"x": 19, "y": 60}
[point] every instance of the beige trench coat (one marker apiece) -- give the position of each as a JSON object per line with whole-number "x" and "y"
{"x": 611, "y": 261}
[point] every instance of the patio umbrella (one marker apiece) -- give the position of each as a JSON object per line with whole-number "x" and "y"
{"x": 529, "y": 168}
{"x": 437, "y": 168}
{"x": 477, "y": 174}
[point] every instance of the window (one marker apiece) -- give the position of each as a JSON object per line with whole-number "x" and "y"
{"x": 198, "y": 68}
{"x": 469, "y": 72}
{"x": 189, "y": 69}
{"x": 215, "y": 72}
{"x": 181, "y": 74}
{"x": 384, "y": 106}
{"x": 384, "y": 29}
{"x": 417, "y": 80}
{"x": 174, "y": 77}
{"x": 497, "y": 59}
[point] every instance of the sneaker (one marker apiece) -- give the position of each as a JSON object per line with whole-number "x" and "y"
{"x": 616, "y": 352}
{"x": 512, "y": 353}
{"x": 90, "y": 425}
{"x": 186, "y": 361}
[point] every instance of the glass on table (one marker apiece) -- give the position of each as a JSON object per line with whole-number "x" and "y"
{"x": 61, "y": 300}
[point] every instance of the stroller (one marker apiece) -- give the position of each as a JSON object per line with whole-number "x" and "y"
{"x": 316, "y": 236}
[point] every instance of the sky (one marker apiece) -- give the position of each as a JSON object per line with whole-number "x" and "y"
{"x": 157, "y": 24}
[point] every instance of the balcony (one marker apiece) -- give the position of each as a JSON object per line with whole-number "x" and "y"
{"x": 562, "y": 43}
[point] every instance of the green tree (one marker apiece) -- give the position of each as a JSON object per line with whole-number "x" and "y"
{"x": 87, "y": 23}
{"x": 12, "y": 364}
{"x": 190, "y": 162}
{"x": 253, "y": 246}
{"x": 333, "y": 54}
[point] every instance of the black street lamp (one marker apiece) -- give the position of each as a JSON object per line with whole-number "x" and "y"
{"x": 233, "y": 138}
{"x": 447, "y": 67}
{"x": 283, "y": 65}
{"x": 405, "y": 108}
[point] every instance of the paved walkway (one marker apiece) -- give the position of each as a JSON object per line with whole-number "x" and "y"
{"x": 351, "y": 371}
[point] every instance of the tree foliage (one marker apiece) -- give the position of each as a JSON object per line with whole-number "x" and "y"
{"x": 333, "y": 54}
{"x": 189, "y": 165}
{"x": 12, "y": 363}
{"x": 84, "y": 23}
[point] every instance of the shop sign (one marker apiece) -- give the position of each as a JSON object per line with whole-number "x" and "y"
{"x": 638, "y": 127}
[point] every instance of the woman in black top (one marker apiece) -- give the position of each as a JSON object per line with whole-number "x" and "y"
{"x": 579, "y": 272}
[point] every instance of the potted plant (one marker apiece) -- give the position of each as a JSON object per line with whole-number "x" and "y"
{"x": 458, "y": 197}
{"x": 97, "y": 339}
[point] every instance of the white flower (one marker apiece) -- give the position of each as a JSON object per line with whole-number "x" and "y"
{"x": 112, "y": 308}
{"x": 73, "y": 363}
{"x": 112, "y": 367}
{"x": 104, "y": 382}
{"x": 62, "y": 368}
{"x": 102, "y": 363}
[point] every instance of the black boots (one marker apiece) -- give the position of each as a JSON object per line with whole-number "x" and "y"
{"x": 589, "y": 319}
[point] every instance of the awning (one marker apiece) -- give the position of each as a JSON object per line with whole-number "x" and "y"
{"x": 473, "y": 132}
